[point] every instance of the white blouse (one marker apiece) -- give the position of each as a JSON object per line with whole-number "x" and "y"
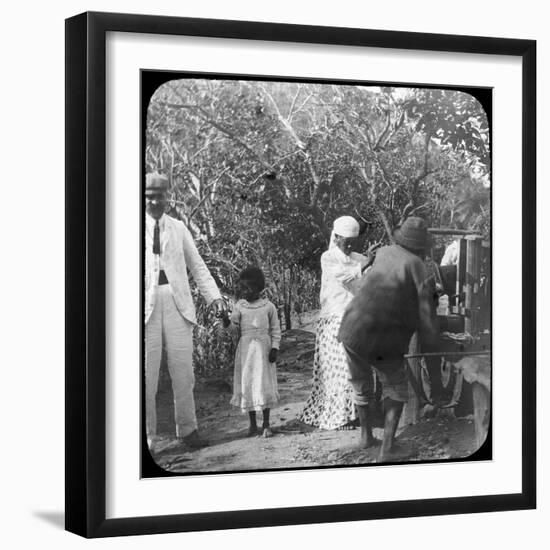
{"x": 340, "y": 275}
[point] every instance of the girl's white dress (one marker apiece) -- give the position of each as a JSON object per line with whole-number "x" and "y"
{"x": 255, "y": 380}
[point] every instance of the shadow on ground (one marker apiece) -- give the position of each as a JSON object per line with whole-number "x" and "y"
{"x": 57, "y": 519}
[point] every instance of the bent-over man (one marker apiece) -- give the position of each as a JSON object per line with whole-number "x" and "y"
{"x": 395, "y": 300}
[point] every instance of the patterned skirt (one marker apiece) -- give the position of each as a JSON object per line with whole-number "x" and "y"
{"x": 330, "y": 404}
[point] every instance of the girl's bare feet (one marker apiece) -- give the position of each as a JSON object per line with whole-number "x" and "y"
{"x": 267, "y": 432}
{"x": 252, "y": 431}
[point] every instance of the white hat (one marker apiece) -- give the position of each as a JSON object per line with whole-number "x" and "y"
{"x": 346, "y": 226}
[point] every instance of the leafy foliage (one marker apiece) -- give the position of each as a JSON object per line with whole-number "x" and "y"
{"x": 259, "y": 171}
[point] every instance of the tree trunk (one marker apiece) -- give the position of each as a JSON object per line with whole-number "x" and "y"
{"x": 288, "y": 300}
{"x": 288, "y": 320}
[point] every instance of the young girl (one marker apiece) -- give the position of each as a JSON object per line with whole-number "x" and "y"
{"x": 255, "y": 321}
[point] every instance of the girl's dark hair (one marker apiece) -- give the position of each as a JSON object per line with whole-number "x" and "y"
{"x": 253, "y": 275}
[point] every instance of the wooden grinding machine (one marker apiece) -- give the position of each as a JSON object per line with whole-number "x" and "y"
{"x": 457, "y": 376}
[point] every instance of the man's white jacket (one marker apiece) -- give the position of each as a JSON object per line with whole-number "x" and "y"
{"x": 178, "y": 255}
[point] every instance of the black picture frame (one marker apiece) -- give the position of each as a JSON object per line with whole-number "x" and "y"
{"x": 86, "y": 273}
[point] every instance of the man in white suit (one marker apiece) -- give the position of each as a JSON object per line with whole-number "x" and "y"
{"x": 170, "y": 254}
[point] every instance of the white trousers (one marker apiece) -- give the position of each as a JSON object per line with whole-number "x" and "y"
{"x": 166, "y": 326}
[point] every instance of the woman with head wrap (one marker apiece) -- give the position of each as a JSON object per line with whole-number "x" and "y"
{"x": 330, "y": 405}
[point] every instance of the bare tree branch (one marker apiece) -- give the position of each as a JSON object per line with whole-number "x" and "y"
{"x": 205, "y": 193}
{"x": 278, "y": 161}
{"x": 208, "y": 118}
{"x": 304, "y": 103}
{"x": 301, "y": 145}
{"x": 354, "y": 128}
{"x": 286, "y": 125}
{"x": 387, "y": 227}
{"x": 381, "y": 141}
{"x": 291, "y": 110}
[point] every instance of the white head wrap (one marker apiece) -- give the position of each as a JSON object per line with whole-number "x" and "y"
{"x": 345, "y": 226}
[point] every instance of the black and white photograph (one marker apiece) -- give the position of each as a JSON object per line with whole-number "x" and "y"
{"x": 301, "y": 266}
{"x": 316, "y": 273}
{"x": 274, "y": 274}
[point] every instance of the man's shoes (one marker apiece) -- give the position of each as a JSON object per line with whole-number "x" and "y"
{"x": 152, "y": 441}
{"x": 194, "y": 441}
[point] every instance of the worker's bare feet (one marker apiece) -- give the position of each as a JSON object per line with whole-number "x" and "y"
{"x": 351, "y": 425}
{"x": 395, "y": 453}
{"x": 368, "y": 440}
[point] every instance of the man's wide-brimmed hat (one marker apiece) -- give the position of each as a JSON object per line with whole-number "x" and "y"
{"x": 155, "y": 183}
{"x": 413, "y": 234}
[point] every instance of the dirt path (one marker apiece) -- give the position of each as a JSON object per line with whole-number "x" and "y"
{"x": 293, "y": 445}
